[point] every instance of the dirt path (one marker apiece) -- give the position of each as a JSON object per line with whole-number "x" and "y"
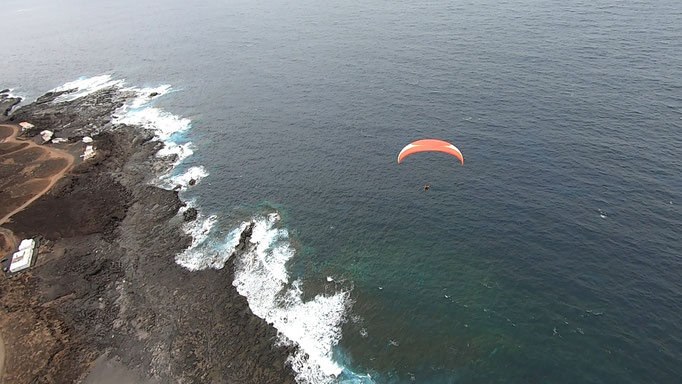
{"x": 47, "y": 153}
{"x": 52, "y": 153}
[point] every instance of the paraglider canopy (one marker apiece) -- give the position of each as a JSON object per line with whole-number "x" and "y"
{"x": 430, "y": 145}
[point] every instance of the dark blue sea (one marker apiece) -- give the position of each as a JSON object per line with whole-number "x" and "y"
{"x": 553, "y": 255}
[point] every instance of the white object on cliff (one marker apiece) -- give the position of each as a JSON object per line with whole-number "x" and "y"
{"x": 26, "y": 125}
{"x": 89, "y": 153}
{"x": 58, "y": 140}
{"x": 24, "y": 256}
{"x": 87, "y": 139}
{"x": 46, "y": 135}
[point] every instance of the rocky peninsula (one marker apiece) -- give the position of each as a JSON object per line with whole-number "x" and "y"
{"x": 105, "y": 299}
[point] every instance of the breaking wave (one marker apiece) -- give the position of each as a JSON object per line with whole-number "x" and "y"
{"x": 8, "y": 94}
{"x": 138, "y": 111}
{"x": 85, "y": 86}
{"x": 313, "y": 326}
{"x": 166, "y": 126}
{"x": 260, "y": 275}
{"x": 190, "y": 177}
{"x": 205, "y": 252}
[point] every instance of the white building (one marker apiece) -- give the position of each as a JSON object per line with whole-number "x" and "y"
{"x": 24, "y": 256}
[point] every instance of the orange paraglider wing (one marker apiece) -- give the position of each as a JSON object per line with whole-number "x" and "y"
{"x": 430, "y": 145}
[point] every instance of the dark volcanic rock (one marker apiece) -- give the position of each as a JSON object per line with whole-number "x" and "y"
{"x": 7, "y": 103}
{"x": 244, "y": 236}
{"x": 106, "y": 283}
{"x": 190, "y": 214}
{"x": 85, "y": 116}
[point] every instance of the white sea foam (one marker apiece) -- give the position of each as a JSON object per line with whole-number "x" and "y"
{"x": 10, "y": 95}
{"x": 144, "y": 95}
{"x": 86, "y": 86}
{"x": 314, "y": 325}
{"x": 194, "y": 257}
{"x": 163, "y": 124}
{"x": 183, "y": 180}
{"x": 138, "y": 111}
{"x": 200, "y": 229}
{"x": 180, "y": 151}
{"x": 261, "y": 276}
{"x": 205, "y": 253}
{"x": 260, "y": 273}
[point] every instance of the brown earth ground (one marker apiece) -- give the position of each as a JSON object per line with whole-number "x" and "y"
{"x": 27, "y": 171}
{"x": 105, "y": 296}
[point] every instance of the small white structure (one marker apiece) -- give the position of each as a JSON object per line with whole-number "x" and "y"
{"x": 58, "y": 140}
{"x": 87, "y": 139}
{"x": 89, "y": 153}
{"x": 24, "y": 256}
{"x": 26, "y": 125}
{"x": 46, "y": 135}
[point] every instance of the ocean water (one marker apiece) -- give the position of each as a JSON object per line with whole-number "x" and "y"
{"x": 553, "y": 255}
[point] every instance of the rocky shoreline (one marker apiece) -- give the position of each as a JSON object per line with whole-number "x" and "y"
{"x": 105, "y": 297}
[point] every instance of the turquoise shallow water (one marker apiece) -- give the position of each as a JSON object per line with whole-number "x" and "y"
{"x": 552, "y": 255}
